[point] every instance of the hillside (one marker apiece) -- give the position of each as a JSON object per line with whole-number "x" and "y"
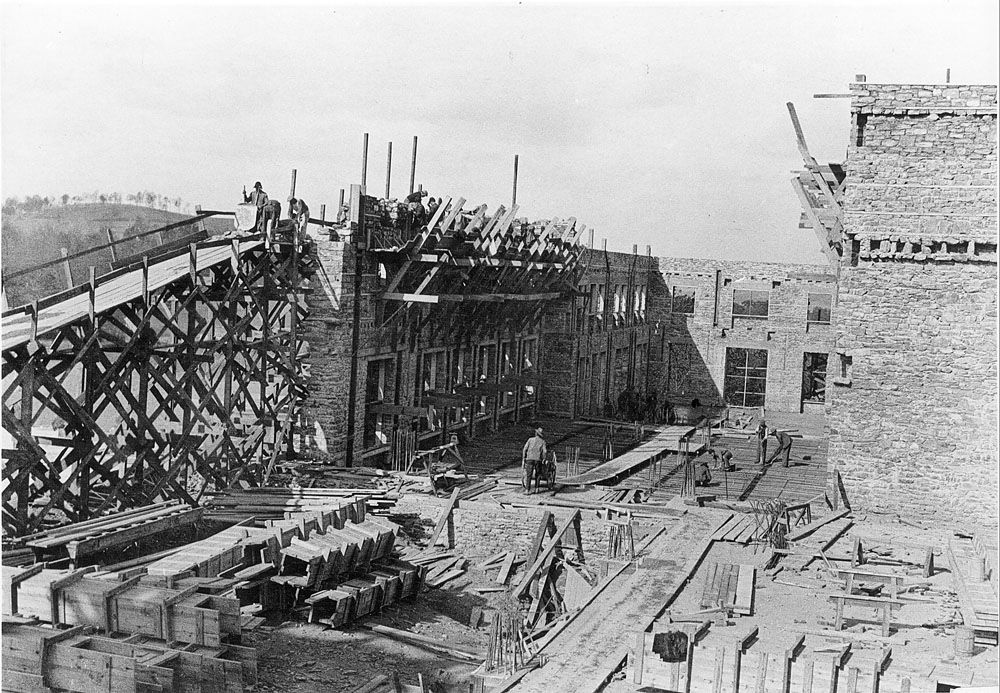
{"x": 29, "y": 238}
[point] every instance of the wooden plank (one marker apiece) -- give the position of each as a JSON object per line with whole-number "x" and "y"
{"x": 505, "y": 569}
{"x": 745, "y": 590}
{"x": 445, "y": 518}
{"x": 520, "y": 588}
{"x": 809, "y": 529}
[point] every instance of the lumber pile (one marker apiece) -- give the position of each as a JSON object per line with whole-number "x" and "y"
{"x": 440, "y": 566}
{"x": 729, "y": 587}
{"x": 82, "y": 539}
{"x": 741, "y": 529}
{"x": 238, "y": 505}
{"x": 37, "y": 658}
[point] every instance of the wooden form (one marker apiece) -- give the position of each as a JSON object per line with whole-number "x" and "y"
{"x": 83, "y": 539}
{"x": 189, "y": 364}
{"x": 37, "y": 658}
{"x": 59, "y": 597}
{"x": 744, "y": 663}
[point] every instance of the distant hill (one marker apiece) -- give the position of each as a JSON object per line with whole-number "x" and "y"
{"x": 31, "y": 237}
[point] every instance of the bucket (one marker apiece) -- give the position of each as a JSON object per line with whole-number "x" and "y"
{"x": 964, "y": 641}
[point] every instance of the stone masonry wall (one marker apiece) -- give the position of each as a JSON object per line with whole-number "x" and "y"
{"x": 694, "y": 346}
{"x": 483, "y": 529}
{"x": 593, "y": 350}
{"x": 913, "y": 418}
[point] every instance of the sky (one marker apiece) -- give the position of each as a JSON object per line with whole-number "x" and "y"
{"x": 654, "y": 124}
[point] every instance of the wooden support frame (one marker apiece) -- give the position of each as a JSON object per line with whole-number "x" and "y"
{"x": 187, "y": 363}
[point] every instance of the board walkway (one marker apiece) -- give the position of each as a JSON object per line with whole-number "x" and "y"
{"x": 115, "y": 289}
{"x": 590, "y": 648}
{"x": 666, "y": 440}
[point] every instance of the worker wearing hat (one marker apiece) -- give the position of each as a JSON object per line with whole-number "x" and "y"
{"x": 258, "y": 197}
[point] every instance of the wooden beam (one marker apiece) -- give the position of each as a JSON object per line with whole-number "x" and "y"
{"x": 537, "y": 565}
{"x": 809, "y": 529}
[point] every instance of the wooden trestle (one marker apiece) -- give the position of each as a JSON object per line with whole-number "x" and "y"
{"x": 156, "y": 380}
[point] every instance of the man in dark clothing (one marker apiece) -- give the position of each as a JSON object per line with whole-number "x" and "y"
{"x": 418, "y": 214}
{"x": 784, "y": 446}
{"x": 761, "y": 442}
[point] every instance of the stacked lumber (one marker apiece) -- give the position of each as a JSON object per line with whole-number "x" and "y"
{"x": 740, "y": 529}
{"x": 82, "y": 539}
{"x": 76, "y": 598}
{"x": 469, "y": 491}
{"x": 37, "y": 658}
{"x": 440, "y": 566}
{"x": 236, "y": 505}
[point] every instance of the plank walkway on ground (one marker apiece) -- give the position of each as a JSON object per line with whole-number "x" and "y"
{"x": 666, "y": 439}
{"x": 585, "y": 653}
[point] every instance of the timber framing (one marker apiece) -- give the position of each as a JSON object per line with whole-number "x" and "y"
{"x": 174, "y": 375}
{"x": 820, "y": 190}
{"x": 467, "y": 274}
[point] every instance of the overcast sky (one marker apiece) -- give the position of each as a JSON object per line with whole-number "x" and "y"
{"x": 657, "y": 124}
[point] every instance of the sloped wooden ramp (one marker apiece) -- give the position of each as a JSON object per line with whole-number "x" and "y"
{"x": 589, "y": 649}
{"x": 667, "y": 440}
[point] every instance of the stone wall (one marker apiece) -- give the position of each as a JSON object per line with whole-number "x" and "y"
{"x": 599, "y": 342}
{"x": 483, "y": 529}
{"x": 913, "y": 416}
{"x": 694, "y": 345}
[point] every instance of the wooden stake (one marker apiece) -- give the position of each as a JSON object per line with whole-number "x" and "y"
{"x": 413, "y": 164}
{"x": 513, "y": 197}
{"x": 364, "y": 162}
{"x": 67, "y": 270}
{"x": 388, "y": 170}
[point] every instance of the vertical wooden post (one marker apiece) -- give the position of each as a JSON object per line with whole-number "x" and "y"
{"x": 364, "y": 162}
{"x": 67, "y": 270}
{"x": 322, "y": 212}
{"x": 340, "y": 207}
{"x": 590, "y": 240}
{"x": 91, "y": 377}
{"x": 292, "y": 192}
{"x": 513, "y": 197}
{"x": 114, "y": 253}
{"x": 413, "y": 164}
{"x": 388, "y": 170}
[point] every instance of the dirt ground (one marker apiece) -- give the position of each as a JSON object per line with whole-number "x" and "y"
{"x": 300, "y": 657}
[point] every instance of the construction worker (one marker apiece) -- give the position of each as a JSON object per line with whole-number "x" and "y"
{"x": 702, "y": 473}
{"x": 532, "y": 454}
{"x": 418, "y": 214}
{"x": 761, "y": 442}
{"x": 302, "y": 217}
{"x": 723, "y": 459}
{"x": 257, "y": 197}
{"x": 784, "y": 446}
